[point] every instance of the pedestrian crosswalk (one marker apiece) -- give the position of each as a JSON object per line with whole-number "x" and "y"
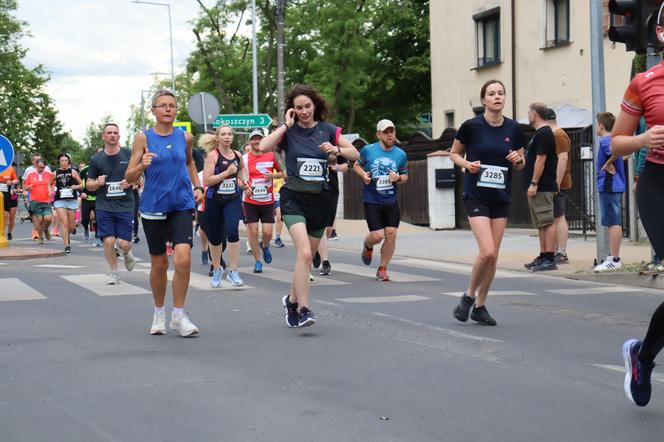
{"x": 13, "y": 289}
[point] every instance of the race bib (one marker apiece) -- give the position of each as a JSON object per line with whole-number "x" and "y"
{"x": 311, "y": 169}
{"x": 492, "y": 177}
{"x": 383, "y": 183}
{"x": 115, "y": 190}
{"x": 227, "y": 187}
{"x": 66, "y": 193}
{"x": 4, "y": 187}
{"x": 259, "y": 190}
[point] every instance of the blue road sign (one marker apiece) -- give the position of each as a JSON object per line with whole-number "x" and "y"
{"x": 6, "y": 153}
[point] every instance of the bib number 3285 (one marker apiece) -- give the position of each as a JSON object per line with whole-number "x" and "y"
{"x": 493, "y": 177}
{"x": 311, "y": 169}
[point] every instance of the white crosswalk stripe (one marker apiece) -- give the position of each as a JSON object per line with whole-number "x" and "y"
{"x": 286, "y": 276}
{"x": 463, "y": 269}
{"x": 496, "y": 293}
{"x": 13, "y": 289}
{"x": 96, "y": 283}
{"x": 202, "y": 282}
{"x": 597, "y": 290}
{"x": 58, "y": 266}
{"x": 383, "y": 299}
{"x": 369, "y": 273}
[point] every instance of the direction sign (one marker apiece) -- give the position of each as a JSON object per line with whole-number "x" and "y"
{"x": 6, "y": 153}
{"x": 241, "y": 121}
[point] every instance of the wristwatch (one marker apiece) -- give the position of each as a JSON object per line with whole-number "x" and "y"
{"x": 534, "y": 183}
{"x": 199, "y": 188}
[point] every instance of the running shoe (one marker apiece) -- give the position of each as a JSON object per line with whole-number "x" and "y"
{"x": 204, "y": 257}
{"x": 326, "y": 269}
{"x": 136, "y": 239}
{"x": 67, "y": 250}
{"x": 367, "y": 254}
{"x": 481, "y": 316}
{"x": 212, "y": 269}
{"x": 561, "y": 258}
{"x": 249, "y": 251}
{"x": 97, "y": 242}
{"x": 216, "y": 280}
{"x": 258, "y": 267}
{"x": 311, "y": 277}
{"x": 86, "y": 234}
{"x": 183, "y": 325}
{"x": 47, "y": 234}
{"x": 158, "y": 324}
{"x": 129, "y": 261}
{"x": 533, "y": 263}
{"x": 73, "y": 232}
{"x": 291, "y": 315}
{"x": 544, "y": 266}
{"x": 9, "y": 236}
{"x": 169, "y": 249}
{"x": 267, "y": 256}
{"x": 278, "y": 242}
{"x": 652, "y": 269}
{"x": 381, "y": 274}
{"x": 608, "y": 265}
{"x": 113, "y": 279}
{"x": 637, "y": 374}
{"x": 234, "y": 278}
{"x": 316, "y": 260}
{"x": 40, "y": 240}
{"x": 305, "y": 317}
{"x": 462, "y": 310}
{"x": 333, "y": 236}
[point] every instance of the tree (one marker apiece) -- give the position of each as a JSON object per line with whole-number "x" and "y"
{"x": 92, "y": 141}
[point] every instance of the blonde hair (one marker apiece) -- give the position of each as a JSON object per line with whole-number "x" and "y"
{"x": 209, "y": 141}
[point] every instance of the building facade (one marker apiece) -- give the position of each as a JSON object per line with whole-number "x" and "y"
{"x": 540, "y": 50}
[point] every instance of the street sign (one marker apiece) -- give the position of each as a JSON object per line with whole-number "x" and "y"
{"x": 203, "y": 108}
{"x": 185, "y": 126}
{"x": 6, "y": 153}
{"x": 241, "y": 121}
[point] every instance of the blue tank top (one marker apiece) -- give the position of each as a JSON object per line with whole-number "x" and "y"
{"x": 167, "y": 184}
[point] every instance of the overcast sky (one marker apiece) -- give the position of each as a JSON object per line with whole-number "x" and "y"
{"x": 100, "y": 53}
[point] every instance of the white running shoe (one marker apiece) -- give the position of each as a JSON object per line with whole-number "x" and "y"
{"x": 129, "y": 261}
{"x": 608, "y": 265}
{"x": 113, "y": 279}
{"x": 158, "y": 324}
{"x": 183, "y": 325}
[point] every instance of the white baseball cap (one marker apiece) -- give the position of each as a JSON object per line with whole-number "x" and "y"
{"x": 384, "y": 124}
{"x": 256, "y": 132}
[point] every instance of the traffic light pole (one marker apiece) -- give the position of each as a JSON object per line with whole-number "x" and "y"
{"x": 599, "y": 105}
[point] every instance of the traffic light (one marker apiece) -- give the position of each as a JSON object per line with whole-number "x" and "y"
{"x": 638, "y": 32}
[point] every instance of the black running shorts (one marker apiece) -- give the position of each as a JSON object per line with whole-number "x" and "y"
{"x": 259, "y": 212}
{"x": 379, "y": 216}
{"x": 176, "y": 228}
{"x": 475, "y": 207}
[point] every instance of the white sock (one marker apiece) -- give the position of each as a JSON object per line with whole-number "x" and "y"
{"x": 178, "y": 311}
{"x": 160, "y": 309}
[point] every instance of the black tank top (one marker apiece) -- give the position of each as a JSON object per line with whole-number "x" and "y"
{"x": 63, "y": 182}
{"x": 228, "y": 188}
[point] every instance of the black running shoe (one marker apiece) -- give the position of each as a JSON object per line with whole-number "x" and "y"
{"x": 561, "y": 258}
{"x": 9, "y": 236}
{"x": 306, "y": 318}
{"x": 481, "y": 316}
{"x": 326, "y": 269}
{"x": 67, "y": 250}
{"x": 462, "y": 310}
{"x": 533, "y": 263}
{"x": 136, "y": 239}
{"x": 292, "y": 316}
{"x": 316, "y": 261}
{"x": 637, "y": 374}
{"x": 544, "y": 265}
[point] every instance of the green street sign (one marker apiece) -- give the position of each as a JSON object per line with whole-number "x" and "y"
{"x": 243, "y": 120}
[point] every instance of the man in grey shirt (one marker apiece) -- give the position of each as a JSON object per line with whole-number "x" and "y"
{"x": 115, "y": 200}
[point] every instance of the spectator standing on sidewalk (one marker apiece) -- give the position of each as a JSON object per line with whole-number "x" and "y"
{"x": 564, "y": 181}
{"x": 540, "y": 183}
{"x": 611, "y": 184}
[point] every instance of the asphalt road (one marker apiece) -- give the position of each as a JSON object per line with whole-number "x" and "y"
{"x": 385, "y": 362}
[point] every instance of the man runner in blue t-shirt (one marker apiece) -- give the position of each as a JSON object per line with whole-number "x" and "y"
{"x": 381, "y": 166}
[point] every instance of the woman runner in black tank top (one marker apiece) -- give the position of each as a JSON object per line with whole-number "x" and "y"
{"x": 68, "y": 184}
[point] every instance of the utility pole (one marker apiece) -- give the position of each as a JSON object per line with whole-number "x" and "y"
{"x": 254, "y": 55}
{"x": 281, "y": 12}
{"x": 599, "y": 105}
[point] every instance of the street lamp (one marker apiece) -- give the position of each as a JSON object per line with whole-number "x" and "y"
{"x": 170, "y": 29}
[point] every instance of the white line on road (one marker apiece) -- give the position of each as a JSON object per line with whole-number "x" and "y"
{"x": 96, "y": 282}
{"x": 659, "y": 378}
{"x": 596, "y": 290}
{"x": 286, "y": 276}
{"x": 58, "y": 266}
{"x": 202, "y": 282}
{"x": 15, "y": 290}
{"x": 495, "y": 293}
{"x": 383, "y": 299}
{"x": 368, "y": 272}
{"x": 463, "y": 269}
{"x": 449, "y": 332}
{"x": 327, "y": 303}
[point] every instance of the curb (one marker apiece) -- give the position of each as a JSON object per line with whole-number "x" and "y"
{"x": 624, "y": 278}
{"x": 20, "y": 253}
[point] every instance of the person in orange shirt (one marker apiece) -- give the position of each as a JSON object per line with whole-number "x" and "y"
{"x": 8, "y": 181}
{"x": 38, "y": 184}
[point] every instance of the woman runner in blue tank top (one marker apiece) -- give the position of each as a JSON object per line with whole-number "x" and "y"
{"x": 164, "y": 156}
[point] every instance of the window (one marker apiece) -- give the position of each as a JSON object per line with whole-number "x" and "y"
{"x": 487, "y": 25}
{"x": 449, "y": 119}
{"x": 557, "y": 23}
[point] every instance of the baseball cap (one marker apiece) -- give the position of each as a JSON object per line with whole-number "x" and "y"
{"x": 256, "y": 132}
{"x": 550, "y": 114}
{"x": 384, "y": 124}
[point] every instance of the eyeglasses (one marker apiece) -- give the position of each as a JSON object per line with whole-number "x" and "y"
{"x": 166, "y": 106}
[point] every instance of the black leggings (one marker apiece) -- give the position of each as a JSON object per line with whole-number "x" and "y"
{"x": 650, "y": 199}
{"x": 86, "y": 208}
{"x": 136, "y": 203}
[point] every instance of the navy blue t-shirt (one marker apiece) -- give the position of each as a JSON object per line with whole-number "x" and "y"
{"x": 489, "y": 145}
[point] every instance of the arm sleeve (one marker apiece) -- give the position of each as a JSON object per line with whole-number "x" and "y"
{"x": 632, "y": 102}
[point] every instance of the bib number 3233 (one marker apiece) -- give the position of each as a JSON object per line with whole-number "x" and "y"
{"x": 493, "y": 177}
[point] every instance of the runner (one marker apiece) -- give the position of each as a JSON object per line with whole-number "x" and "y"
{"x": 38, "y": 184}
{"x": 33, "y": 167}
{"x": 88, "y": 199}
{"x": 645, "y": 97}
{"x": 115, "y": 200}
{"x": 307, "y": 141}
{"x": 67, "y": 185}
{"x": 163, "y": 155}
{"x": 278, "y": 222}
{"x": 258, "y": 199}
{"x": 382, "y": 165}
{"x": 8, "y": 183}
{"x": 493, "y": 145}
{"x": 223, "y": 174}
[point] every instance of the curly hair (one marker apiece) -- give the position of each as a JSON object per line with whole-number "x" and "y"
{"x": 321, "y": 108}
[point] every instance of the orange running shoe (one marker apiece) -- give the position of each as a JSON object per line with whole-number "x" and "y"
{"x": 381, "y": 274}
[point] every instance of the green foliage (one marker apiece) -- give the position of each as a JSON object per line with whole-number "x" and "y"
{"x": 93, "y": 141}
